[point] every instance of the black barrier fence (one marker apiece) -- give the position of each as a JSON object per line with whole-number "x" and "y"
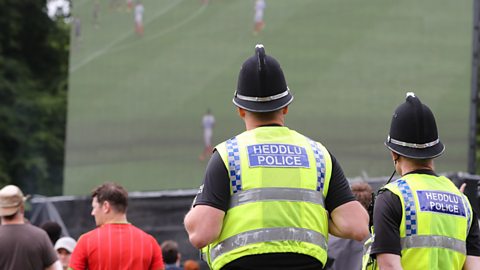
{"x": 161, "y": 213}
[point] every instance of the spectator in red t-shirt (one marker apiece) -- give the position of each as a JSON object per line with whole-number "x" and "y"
{"x": 115, "y": 244}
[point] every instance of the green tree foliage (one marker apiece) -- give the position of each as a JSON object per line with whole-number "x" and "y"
{"x": 33, "y": 85}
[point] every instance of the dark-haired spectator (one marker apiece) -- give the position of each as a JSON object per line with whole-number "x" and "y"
{"x": 115, "y": 244}
{"x": 53, "y": 230}
{"x": 347, "y": 253}
{"x": 22, "y": 246}
{"x": 171, "y": 256}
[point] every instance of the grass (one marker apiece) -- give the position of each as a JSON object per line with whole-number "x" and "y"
{"x": 135, "y": 103}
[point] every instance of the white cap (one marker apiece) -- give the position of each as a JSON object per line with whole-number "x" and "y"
{"x": 67, "y": 243}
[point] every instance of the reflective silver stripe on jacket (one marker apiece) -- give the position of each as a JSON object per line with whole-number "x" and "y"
{"x": 276, "y": 194}
{"x": 438, "y": 241}
{"x": 367, "y": 246}
{"x": 268, "y": 235}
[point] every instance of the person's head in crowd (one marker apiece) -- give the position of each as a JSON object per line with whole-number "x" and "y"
{"x": 12, "y": 205}
{"x": 170, "y": 252}
{"x": 363, "y": 193}
{"x": 53, "y": 230}
{"x": 109, "y": 203}
{"x": 191, "y": 265}
{"x": 64, "y": 248}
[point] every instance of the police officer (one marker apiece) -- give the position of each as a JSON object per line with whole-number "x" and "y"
{"x": 421, "y": 221}
{"x": 270, "y": 195}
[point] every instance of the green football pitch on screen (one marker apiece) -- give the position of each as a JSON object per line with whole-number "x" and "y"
{"x": 136, "y": 100}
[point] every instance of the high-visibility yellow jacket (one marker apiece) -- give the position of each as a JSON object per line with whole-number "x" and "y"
{"x": 436, "y": 219}
{"x": 278, "y": 182}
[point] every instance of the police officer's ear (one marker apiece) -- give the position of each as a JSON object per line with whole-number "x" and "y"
{"x": 395, "y": 157}
{"x": 285, "y": 110}
{"x": 241, "y": 112}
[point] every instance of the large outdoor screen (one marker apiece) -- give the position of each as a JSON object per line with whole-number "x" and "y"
{"x": 137, "y": 93}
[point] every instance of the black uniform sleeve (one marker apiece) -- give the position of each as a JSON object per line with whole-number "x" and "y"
{"x": 339, "y": 191}
{"x": 387, "y": 216}
{"x": 473, "y": 238}
{"x": 215, "y": 190}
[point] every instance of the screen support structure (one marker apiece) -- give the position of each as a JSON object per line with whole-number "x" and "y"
{"x": 472, "y": 164}
{"x": 472, "y": 186}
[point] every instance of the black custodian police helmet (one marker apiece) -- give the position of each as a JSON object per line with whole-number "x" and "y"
{"x": 413, "y": 131}
{"x": 261, "y": 84}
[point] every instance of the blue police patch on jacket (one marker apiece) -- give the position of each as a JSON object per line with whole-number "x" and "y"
{"x": 277, "y": 155}
{"x": 441, "y": 202}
